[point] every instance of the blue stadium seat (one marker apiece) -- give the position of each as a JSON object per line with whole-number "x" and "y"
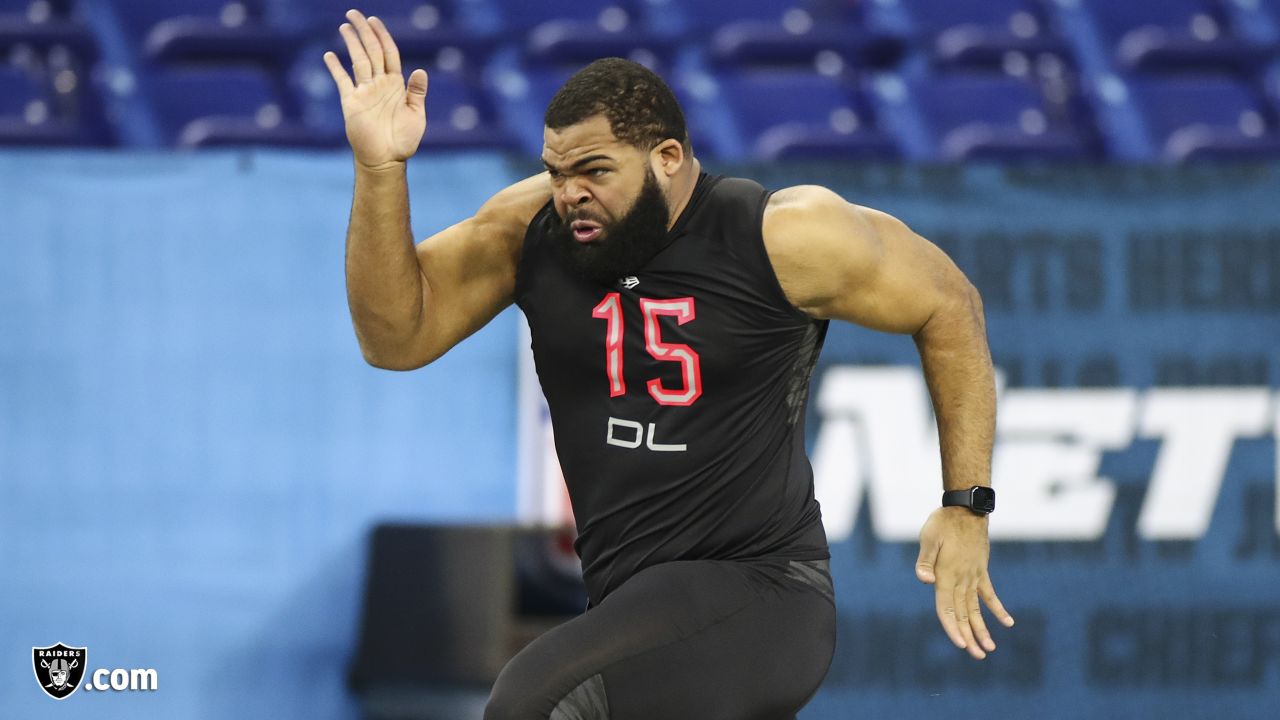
{"x": 37, "y": 11}
{"x": 30, "y": 113}
{"x": 21, "y": 101}
{"x": 65, "y": 108}
{"x": 167, "y": 31}
{"x": 982, "y": 31}
{"x": 609, "y": 14}
{"x": 786, "y": 114}
{"x": 1173, "y": 35}
{"x": 795, "y": 33}
{"x": 460, "y": 113}
{"x": 422, "y": 15}
{"x": 227, "y": 105}
{"x": 703, "y": 16}
{"x": 49, "y": 43}
{"x": 1200, "y": 117}
{"x": 570, "y": 41}
{"x": 567, "y": 31}
{"x": 975, "y": 115}
{"x": 420, "y": 27}
{"x": 43, "y": 24}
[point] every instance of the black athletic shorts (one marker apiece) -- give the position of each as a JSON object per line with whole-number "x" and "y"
{"x": 683, "y": 640}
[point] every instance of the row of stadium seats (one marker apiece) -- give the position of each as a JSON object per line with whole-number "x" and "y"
{"x": 1140, "y": 80}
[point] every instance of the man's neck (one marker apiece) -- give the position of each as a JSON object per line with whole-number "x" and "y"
{"x": 682, "y": 189}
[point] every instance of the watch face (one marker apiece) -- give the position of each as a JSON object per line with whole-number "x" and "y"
{"x": 984, "y": 499}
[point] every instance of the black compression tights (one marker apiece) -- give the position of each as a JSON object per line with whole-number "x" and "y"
{"x": 685, "y": 640}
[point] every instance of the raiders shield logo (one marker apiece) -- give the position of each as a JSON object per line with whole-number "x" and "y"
{"x": 59, "y": 669}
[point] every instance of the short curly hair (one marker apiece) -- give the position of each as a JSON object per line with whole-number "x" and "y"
{"x": 641, "y": 110}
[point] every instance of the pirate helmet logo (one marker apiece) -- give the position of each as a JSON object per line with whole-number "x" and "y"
{"x": 59, "y": 669}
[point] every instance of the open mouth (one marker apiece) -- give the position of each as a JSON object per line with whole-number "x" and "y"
{"x": 585, "y": 231}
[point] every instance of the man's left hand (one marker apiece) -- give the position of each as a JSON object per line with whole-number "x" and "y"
{"x": 953, "y": 558}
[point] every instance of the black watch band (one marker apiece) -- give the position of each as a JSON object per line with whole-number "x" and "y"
{"x": 979, "y": 499}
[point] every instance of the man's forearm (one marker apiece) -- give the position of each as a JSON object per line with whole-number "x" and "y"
{"x": 957, "y": 367}
{"x": 384, "y": 283}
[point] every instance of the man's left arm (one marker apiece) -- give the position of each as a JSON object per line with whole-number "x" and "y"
{"x": 838, "y": 260}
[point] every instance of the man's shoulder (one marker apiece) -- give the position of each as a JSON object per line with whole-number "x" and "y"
{"x": 796, "y": 203}
{"x": 516, "y": 205}
{"x": 802, "y": 199}
{"x": 801, "y": 211}
{"x": 812, "y": 236}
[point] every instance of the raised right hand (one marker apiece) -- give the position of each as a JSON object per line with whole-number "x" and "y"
{"x": 385, "y": 118}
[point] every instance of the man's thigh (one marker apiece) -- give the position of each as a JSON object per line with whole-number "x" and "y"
{"x": 691, "y": 639}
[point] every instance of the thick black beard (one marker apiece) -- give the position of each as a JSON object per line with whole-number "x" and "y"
{"x": 624, "y": 246}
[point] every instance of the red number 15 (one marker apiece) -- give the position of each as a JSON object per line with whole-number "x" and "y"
{"x": 610, "y": 310}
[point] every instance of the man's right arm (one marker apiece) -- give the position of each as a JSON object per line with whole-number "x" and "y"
{"x": 410, "y": 305}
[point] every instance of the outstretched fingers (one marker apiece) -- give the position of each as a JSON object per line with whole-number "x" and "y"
{"x": 960, "y": 602}
{"x": 945, "y": 605}
{"x": 391, "y": 53}
{"x": 340, "y": 77}
{"x": 976, "y": 621}
{"x": 372, "y": 46}
{"x": 987, "y": 592}
{"x": 361, "y": 68}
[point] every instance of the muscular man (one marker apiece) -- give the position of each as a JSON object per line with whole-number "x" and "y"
{"x": 676, "y": 317}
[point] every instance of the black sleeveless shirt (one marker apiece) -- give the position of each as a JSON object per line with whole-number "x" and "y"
{"x": 677, "y": 395}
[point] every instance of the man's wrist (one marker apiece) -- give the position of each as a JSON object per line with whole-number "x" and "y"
{"x": 382, "y": 168}
{"x": 978, "y": 499}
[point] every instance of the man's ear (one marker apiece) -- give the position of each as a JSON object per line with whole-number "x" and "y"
{"x": 668, "y": 157}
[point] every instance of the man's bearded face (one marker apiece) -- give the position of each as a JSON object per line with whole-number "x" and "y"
{"x": 603, "y": 250}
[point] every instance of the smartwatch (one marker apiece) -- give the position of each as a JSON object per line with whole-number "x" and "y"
{"x": 979, "y": 499}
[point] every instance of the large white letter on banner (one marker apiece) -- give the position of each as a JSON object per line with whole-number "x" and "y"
{"x": 1199, "y": 427}
{"x": 877, "y": 434}
{"x": 1045, "y": 465}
